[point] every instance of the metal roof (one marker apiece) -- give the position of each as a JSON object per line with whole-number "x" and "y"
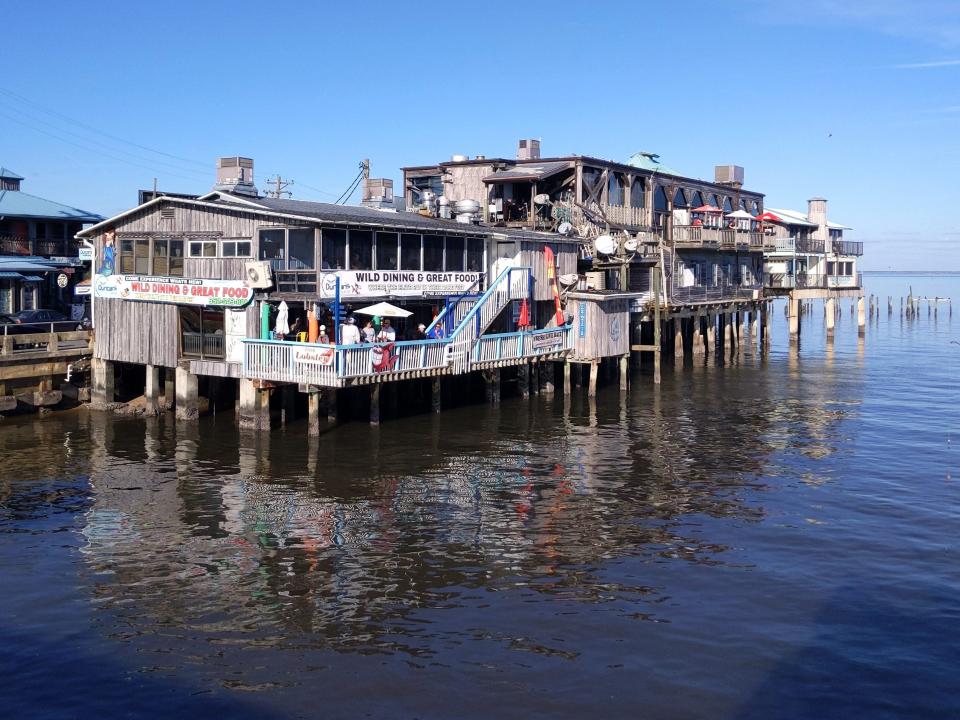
{"x": 791, "y": 217}
{"x": 529, "y": 172}
{"x": 27, "y": 264}
{"x": 650, "y": 161}
{"x": 15, "y": 203}
{"x": 306, "y": 211}
{"x": 8, "y": 174}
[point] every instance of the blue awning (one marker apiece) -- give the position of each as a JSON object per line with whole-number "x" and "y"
{"x": 32, "y": 278}
{"x": 10, "y": 276}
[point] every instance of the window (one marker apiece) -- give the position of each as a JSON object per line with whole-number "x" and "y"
{"x": 475, "y": 255}
{"x": 272, "y": 247}
{"x": 55, "y": 231}
{"x": 831, "y": 268}
{"x": 454, "y": 257}
{"x": 202, "y": 248}
{"x": 697, "y": 199}
{"x": 432, "y": 252}
{"x": 660, "y": 200}
{"x": 6, "y": 296}
{"x": 288, "y": 248}
{"x": 679, "y": 199}
{"x": 615, "y": 188}
{"x": 235, "y": 248}
{"x": 386, "y": 251}
{"x": 40, "y": 231}
{"x": 409, "y": 252}
{"x": 591, "y": 179}
{"x": 333, "y": 249}
{"x": 176, "y": 258}
{"x": 361, "y": 250}
{"x": 714, "y": 200}
{"x": 141, "y": 256}
{"x": 300, "y": 249}
{"x": 727, "y": 205}
{"x": 201, "y": 332}
{"x": 126, "y": 257}
{"x": 161, "y": 260}
{"x": 638, "y": 193}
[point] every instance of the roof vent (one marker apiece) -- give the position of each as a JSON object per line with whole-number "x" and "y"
{"x": 167, "y": 213}
{"x": 235, "y": 175}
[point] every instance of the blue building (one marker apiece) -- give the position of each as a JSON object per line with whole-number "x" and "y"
{"x": 39, "y": 264}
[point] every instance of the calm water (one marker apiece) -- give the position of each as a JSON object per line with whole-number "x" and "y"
{"x": 775, "y": 538}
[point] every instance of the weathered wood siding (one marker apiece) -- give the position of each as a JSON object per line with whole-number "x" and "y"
{"x": 531, "y": 254}
{"x": 215, "y": 268}
{"x": 136, "y": 332}
{"x": 601, "y": 328}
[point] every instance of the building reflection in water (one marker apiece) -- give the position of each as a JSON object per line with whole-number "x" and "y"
{"x": 345, "y": 541}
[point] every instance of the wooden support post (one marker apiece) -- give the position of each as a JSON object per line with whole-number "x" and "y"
{"x": 103, "y": 382}
{"x": 566, "y": 377}
{"x": 436, "y": 395}
{"x": 523, "y": 380}
{"x": 793, "y": 308}
{"x": 547, "y": 375}
{"x": 169, "y": 388}
{"x": 330, "y": 402}
{"x": 655, "y": 281}
{"x": 187, "y": 395}
{"x": 288, "y": 400}
{"x": 831, "y": 316}
{"x": 710, "y": 341}
{"x": 254, "y": 410}
{"x": 624, "y": 372}
{"x": 678, "y": 338}
{"x": 313, "y": 411}
{"x": 594, "y": 371}
{"x": 375, "y": 404}
{"x": 151, "y": 389}
{"x": 861, "y": 316}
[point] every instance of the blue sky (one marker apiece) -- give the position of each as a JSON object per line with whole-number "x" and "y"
{"x": 856, "y": 101}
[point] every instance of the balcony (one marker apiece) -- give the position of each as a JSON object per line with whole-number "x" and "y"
{"x": 203, "y": 346}
{"x": 713, "y": 293}
{"x": 810, "y": 246}
{"x": 845, "y": 281}
{"x": 847, "y": 247}
{"x": 19, "y": 245}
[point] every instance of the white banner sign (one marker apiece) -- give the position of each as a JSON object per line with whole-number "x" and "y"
{"x": 85, "y": 254}
{"x": 314, "y": 355}
{"x": 182, "y": 291}
{"x": 403, "y": 283}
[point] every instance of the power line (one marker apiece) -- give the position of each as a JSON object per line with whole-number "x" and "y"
{"x": 364, "y": 169}
{"x": 280, "y": 187}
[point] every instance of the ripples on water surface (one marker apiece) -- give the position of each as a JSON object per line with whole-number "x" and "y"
{"x": 773, "y": 539}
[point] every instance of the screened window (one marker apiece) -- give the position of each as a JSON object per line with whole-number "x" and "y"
{"x": 756, "y": 208}
{"x": 679, "y": 199}
{"x": 454, "y": 260}
{"x": 615, "y": 189}
{"x": 743, "y": 204}
{"x": 361, "y": 250}
{"x": 474, "y": 255}
{"x": 409, "y": 252}
{"x": 727, "y": 205}
{"x": 235, "y": 248}
{"x": 141, "y": 256}
{"x": 301, "y": 248}
{"x": 714, "y": 200}
{"x": 161, "y": 257}
{"x": 432, "y": 252}
{"x": 202, "y": 248}
{"x": 831, "y": 268}
{"x": 334, "y": 249}
{"x": 55, "y": 231}
{"x": 272, "y": 247}
{"x": 660, "y": 200}
{"x": 176, "y": 258}
{"x": 386, "y": 251}
{"x": 591, "y": 179}
{"x": 697, "y": 199}
{"x": 638, "y": 193}
{"x": 126, "y": 257}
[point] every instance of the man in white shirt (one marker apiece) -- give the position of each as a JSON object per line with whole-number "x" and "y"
{"x": 387, "y": 333}
{"x": 350, "y": 333}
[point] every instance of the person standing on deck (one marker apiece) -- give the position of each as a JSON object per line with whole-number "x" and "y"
{"x": 387, "y": 333}
{"x": 350, "y": 333}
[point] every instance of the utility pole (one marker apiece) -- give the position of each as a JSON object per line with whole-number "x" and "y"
{"x": 280, "y": 187}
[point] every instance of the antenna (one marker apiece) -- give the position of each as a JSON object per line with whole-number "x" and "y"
{"x": 280, "y": 187}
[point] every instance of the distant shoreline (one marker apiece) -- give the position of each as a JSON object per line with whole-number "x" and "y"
{"x": 911, "y": 272}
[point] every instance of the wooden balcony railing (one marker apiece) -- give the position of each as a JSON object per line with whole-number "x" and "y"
{"x": 809, "y": 245}
{"x": 18, "y": 245}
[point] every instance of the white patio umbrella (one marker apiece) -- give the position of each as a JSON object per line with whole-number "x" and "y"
{"x": 384, "y": 309}
{"x": 283, "y": 320}
{"x": 740, "y": 215}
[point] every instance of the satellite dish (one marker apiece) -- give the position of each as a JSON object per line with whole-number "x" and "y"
{"x": 605, "y": 245}
{"x": 565, "y": 228}
{"x": 630, "y": 245}
{"x": 569, "y": 279}
{"x": 541, "y": 199}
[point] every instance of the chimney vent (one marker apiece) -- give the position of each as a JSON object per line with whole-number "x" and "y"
{"x": 235, "y": 175}
{"x": 528, "y": 150}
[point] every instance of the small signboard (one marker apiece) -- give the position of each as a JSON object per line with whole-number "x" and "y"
{"x": 62, "y": 280}
{"x": 85, "y": 254}
{"x": 314, "y": 355}
{"x": 547, "y": 342}
{"x": 381, "y": 283}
